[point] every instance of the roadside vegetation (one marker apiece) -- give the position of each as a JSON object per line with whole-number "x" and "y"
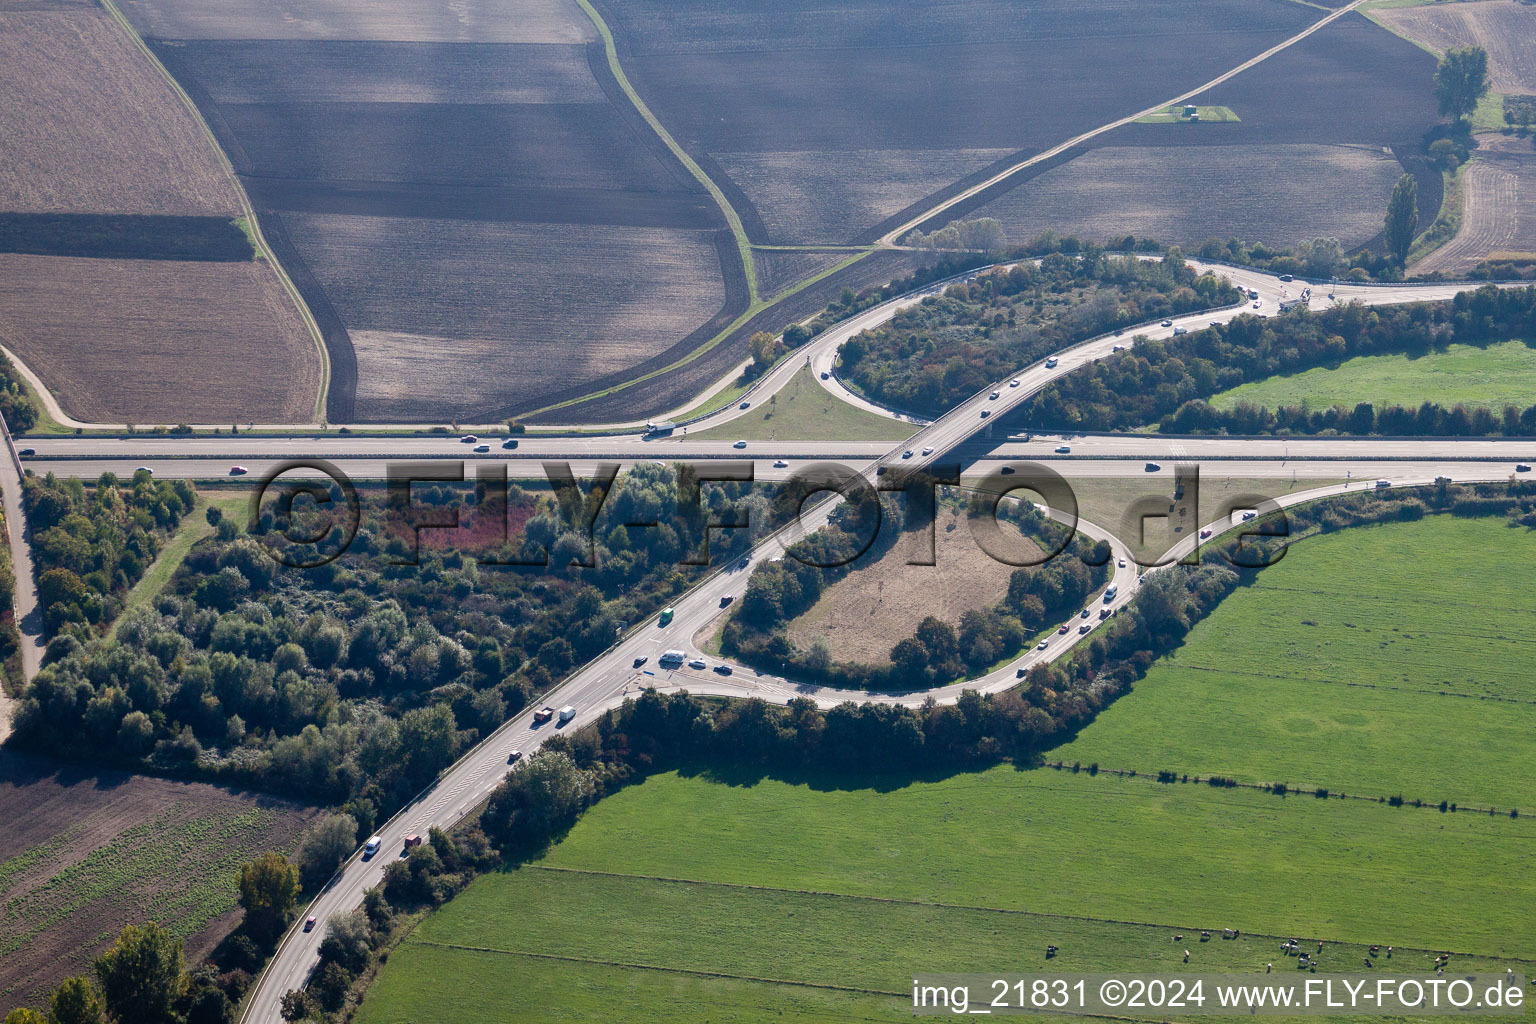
{"x": 1171, "y": 382}
{"x": 803, "y": 410}
{"x": 355, "y": 682}
{"x": 948, "y": 347}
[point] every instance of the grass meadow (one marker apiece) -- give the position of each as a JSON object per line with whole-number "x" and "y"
{"x": 1495, "y": 376}
{"x": 1376, "y": 661}
{"x": 806, "y": 411}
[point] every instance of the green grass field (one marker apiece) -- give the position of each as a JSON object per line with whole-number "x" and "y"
{"x": 734, "y": 897}
{"x": 805, "y": 411}
{"x": 1498, "y": 375}
{"x": 755, "y": 896}
{"x": 1380, "y": 661}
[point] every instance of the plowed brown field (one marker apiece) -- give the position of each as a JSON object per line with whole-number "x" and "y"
{"x": 83, "y": 853}
{"x": 157, "y": 341}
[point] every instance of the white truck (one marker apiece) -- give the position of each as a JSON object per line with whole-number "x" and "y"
{"x": 671, "y": 659}
{"x": 566, "y": 714}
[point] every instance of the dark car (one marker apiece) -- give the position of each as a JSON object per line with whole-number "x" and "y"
{"x": 27, "y": 451}
{"x": 1521, "y": 468}
{"x": 724, "y": 670}
{"x": 640, "y": 661}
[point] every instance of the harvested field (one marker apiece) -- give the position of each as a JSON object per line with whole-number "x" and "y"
{"x": 160, "y": 341}
{"x": 661, "y": 393}
{"x": 530, "y": 144}
{"x": 1187, "y": 194}
{"x": 365, "y": 71}
{"x": 817, "y": 196}
{"x": 470, "y": 319}
{"x": 454, "y": 195}
{"x": 765, "y": 90}
{"x": 1350, "y": 83}
{"x": 1505, "y": 28}
{"x": 863, "y": 615}
{"x": 1498, "y": 213}
{"x": 1338, "y": 159}
{"x": 779, "y": 270}
{"x": 91, "y": 127}
{"x": 85, "y": 853}
{"x": 473, "y": 21}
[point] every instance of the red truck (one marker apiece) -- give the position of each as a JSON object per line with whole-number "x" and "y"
{"x": 543, "y": 715}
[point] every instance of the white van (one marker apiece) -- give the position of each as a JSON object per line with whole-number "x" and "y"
{"x": 372, "y": 846}
{"x": 672, "y": 658}
{"x": 566, "y": 714}
{"x": 1110, "y": 592}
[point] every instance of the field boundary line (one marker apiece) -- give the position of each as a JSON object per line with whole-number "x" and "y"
{"x": 891, "y": 237}
{"x": 247, "y": 210}
{"x": 652, "y": 967}
{"x": 743, "y": 243}
{"x": 703, "y": 883}
{"x": 1363, "y": 686}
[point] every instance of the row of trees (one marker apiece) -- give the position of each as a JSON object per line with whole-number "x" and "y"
{"x": 1154, "y": 379}
{"x": 1430, "y": 418}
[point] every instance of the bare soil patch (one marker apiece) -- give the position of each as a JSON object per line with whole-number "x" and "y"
{"x": 1505, "y": 28}
{"x": 160, "y": 341}
{"x": 867, "y": 612}
{"x": 472, "y": 319}
{"x": 91, "y": 127}
{"x": 825, "y": 115}
{"x": 467, "y": 21}
{"x": 1187, "y": 194}
{"x": 85, "y": 853}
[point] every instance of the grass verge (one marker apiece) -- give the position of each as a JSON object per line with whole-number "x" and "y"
{"x": 803, "y": 410}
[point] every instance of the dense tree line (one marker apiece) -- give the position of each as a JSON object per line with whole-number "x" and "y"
{"x": 1153, "y": 380}
{"x": 92, "y": 544}
{"x": 948, "y": 347}
{"x": 356, "y": 682}
{"x": 15, "y": 404}
{"x": 1430, "y": 418}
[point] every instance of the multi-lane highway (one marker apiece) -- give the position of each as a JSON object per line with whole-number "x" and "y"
{"x": 962, "y": 434}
